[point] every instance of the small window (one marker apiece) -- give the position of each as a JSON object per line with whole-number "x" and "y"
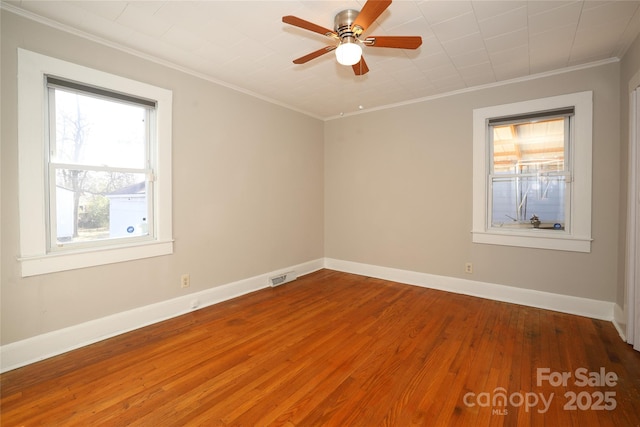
{"x": 532, "y": 173}
{"x": 94, "y": 167}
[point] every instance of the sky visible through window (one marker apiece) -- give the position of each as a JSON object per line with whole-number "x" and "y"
{"x": 99, "y": 132}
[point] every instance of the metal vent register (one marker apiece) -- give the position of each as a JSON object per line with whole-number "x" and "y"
{"x": 282, "y": 278}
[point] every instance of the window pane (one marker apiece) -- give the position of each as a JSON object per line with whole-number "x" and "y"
{"x": 94, "y": 205}
{"x": 516, "y": 200}
{"x": 529, "y": 147}
{"x": 99, "y": 132}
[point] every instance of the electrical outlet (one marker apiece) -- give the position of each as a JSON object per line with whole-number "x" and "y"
{"x": 468, "y": 268}
{"x": 185, "y": 281}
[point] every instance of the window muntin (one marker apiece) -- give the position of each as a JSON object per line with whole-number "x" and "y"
{"x": 98, "y": 166}
{"x": 529, "y": 167}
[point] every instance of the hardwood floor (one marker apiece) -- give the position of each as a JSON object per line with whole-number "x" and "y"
{"x": 337, "y": 349}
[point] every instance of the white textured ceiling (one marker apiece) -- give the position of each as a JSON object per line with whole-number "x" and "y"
{"x": 245, "y": 45}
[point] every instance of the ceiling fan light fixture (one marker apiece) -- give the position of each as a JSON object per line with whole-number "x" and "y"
{"x": 349, "y": 51}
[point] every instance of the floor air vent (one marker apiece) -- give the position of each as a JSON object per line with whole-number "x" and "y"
{"x": 283, "y": 278}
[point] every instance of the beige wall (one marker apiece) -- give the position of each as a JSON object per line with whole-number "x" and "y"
{"x": 398, "y": 188}
{"x": 247, "y": 193}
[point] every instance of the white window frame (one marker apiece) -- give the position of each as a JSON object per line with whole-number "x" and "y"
{"x": 35, "y": 258}
{"x": 578, "y": 237}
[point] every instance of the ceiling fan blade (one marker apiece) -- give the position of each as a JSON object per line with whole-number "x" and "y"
{"x": 369, "y": 13}
{"x": 401, "y": 42}
{"x": 301, "y": 23}
{"x": 314, "y": 55}
{"x": 360, "y": 68}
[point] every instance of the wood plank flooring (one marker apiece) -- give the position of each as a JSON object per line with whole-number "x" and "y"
{"x": 336, "y": 349}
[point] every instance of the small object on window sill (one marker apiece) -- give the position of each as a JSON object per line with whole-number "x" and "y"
{"x": 556, "y": 226}
{"x": 535, "y": 221}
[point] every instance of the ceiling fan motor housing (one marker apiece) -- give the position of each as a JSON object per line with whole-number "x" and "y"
{"x": 343, "y": 22}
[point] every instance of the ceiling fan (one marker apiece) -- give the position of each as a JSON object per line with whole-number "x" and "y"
{"x": 349, "y": 25}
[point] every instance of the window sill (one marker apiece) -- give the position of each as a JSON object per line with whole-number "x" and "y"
{"x": 538, "y": 239}
{"x": 55, "y": 262}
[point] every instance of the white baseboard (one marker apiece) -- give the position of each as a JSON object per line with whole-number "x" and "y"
{"x": 595, "y": 309}
{"x": 30, "y": 350}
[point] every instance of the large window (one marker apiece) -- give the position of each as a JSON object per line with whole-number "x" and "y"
{"x": 95, "y": 167}
{"x": 532, "y": 173}
{"x": 99, "y": 168}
